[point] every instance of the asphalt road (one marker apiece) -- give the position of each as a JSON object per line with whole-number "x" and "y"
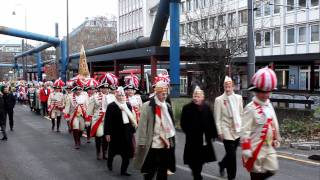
{"x": 34, "y": 152}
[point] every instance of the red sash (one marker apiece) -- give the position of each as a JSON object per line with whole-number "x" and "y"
{"x": 137, "y": 112}
{"x": 97, "y": 124}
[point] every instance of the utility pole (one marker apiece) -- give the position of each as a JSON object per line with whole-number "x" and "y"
{"x": 251, "y": 49}
{"x": 67, "y": 64}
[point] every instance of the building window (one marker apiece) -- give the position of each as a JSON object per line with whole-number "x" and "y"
{"x": 290, "y": 36}
{"x": 290, "y": 5}
{"x": 302, "y": 34}
{"x": 222, "y": 20}
{"x": 212, "y": 22}
{"x": 276, "y": 6}
{"x": 196, "y": 4}
{"x": 188, "y": 2}
{"x": 314, "y": 33}
{"x": 204, "y": 24}
{"x": 203, "y": 3}
{"x": 243, "y": 17}
{"x": 183, "y": 85}
{"x": 182, "y": 29}
{"x": 231, "y": 19}
{"x": 302, "y": 4}
{"x": 267, "y": 38}
{"x": 276, "y": 37}
{"x": 183, "y": 8}
{"x": 314, "y": 3}
{"x": 266, "y": 8}
{"x": 189, "y": 26}
{"x": 258, "y": 38}
{"x": 258, "y": 8}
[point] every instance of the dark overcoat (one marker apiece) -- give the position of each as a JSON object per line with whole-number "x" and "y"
{"x": 198, "y": 124}
{"x": 121, "y": 134}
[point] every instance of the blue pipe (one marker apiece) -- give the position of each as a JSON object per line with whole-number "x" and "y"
{"x": 64, "y": 60}
{"x": 11, "y": 65}
{"x": 174, "y": 48}
{"x": 38, "y": 57}
{"x": 34, "y": 50}
{"x": 28, "y": 35}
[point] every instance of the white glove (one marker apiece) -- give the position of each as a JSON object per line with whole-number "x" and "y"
{"x": 247, "y": 153}
{"x": 276, "y": 143}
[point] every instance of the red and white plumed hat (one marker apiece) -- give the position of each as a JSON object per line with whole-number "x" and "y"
{"x": 58, "y": 83}
{"x": 92, "y": 83}
{"x": 110, "y": 79}
{"x": 69, "y": 84}
{"x": 131, "y": 82}
{"x": 163, "y": 78}
{"x": 78, "y": 83}
{"x": 264, "y": 79}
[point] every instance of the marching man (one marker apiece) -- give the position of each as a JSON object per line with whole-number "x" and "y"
{"x": 227, "y": 111}
{"x": 75, "y": 110}
{"x": 97, "y": 111}
{"x": 56, "y": 104}
{"x": 260, "y": 128}
{"x": 132, "y": 84}
{"x": 91, "y": 85}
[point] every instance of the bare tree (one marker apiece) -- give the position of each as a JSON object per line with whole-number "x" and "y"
{"x": 220, "y": 37}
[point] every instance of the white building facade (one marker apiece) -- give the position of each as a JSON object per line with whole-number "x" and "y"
{"x": 135, "y": 18}
{"x": 283, "y": 28}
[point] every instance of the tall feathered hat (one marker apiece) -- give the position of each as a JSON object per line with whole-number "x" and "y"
{"x": 91, "y": 84}
{"x": 69, "y": 84}
{"x": 78, "y": 84}
{"x": 131, "y": 82}
{"x": 58, "y": 84}
{"x": 264, "y": 80}
{"x": 163, "y": 78}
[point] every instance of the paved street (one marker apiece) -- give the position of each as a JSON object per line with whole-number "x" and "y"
{"x": 34, "y": 152}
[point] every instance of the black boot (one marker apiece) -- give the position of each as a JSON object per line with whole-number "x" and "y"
{"x": 75, "y": 137}
{"x": 88, "y": 133}
{"x": 58, "y": 123}
{"x": 124, "y": 167}
{"x": 53, "y": 121}
{"x": 98, "y": 147}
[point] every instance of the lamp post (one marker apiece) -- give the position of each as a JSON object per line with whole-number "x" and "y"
{"x": 67, "y": 36}
{"x": 24, "y": 44}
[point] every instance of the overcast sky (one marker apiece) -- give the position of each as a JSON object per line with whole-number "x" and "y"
{"x": 41, "y": 15}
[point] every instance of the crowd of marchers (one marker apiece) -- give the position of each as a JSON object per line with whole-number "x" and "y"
{"x": 144, "y": 132}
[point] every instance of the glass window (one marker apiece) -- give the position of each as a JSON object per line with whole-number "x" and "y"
{"x": 276, "y": 37}
{"x": 276, "y": 6}
{"x": 258, "y": 38}
{"x": 189, "y": 27}
{"x": 267, "y": 38}
{"x": 314, "y": 33}
{"x": 314, "y": 2}
{"x": 196, "y": 4}
{"x": 290, "y": 36}
{"x": 231, "y": 19}
{"x": 290, "y": 5}
{"x": 302, "y": 34}
{"x": 222, "y": 20}
{"x": 183, "y": 4}
{"x": 266, "y": 8}
{"x": 212, "y": 22}
{"x": 182, "y": 29}
{"x": 189, "y": 5}
{"x": 204, "y": 24}
{"x": 258, "y": 8}
{"x": 302, "y": 4}
{"x": 243, "y": 17}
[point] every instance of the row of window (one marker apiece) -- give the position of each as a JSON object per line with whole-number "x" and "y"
{"x": 298, "y": 34}
{"x": 274, "y": 6}
{"x": 130, "y": 35}
{"x": 126, "y": 6}
{"x": 216, "y": 22}
{"x": 133, "y": 20}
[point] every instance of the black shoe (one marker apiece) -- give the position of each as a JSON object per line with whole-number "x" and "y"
{"x": 11, "y": 129}
{"x": 58, "y": 131}
{"x": 221, "y": 170}
{"x": 5, "y": 138}
{"x": 125, "y": 174}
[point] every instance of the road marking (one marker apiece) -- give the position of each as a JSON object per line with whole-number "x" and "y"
{"x": 299, "y": 160}
{"x": 204, "y": 174}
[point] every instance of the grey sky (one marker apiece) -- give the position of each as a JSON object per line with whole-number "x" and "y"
{"x": 42, "y": 14}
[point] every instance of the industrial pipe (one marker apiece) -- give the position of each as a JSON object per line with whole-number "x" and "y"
{"x": 155, "y": 38}
{"x": 34, "y": 50}
{"x": 28, "y": 35}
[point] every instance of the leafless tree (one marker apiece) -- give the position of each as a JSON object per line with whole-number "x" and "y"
{"x": 220, "y": 37}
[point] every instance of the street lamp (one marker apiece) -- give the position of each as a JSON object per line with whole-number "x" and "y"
{"x": 24, "y": 41}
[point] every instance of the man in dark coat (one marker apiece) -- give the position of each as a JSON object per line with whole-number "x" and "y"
{"x": 10, "y": 102}
{"x": 2, "y": 116}
{"x": 120, "y": 125}
{"x": 198, "y": 124}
